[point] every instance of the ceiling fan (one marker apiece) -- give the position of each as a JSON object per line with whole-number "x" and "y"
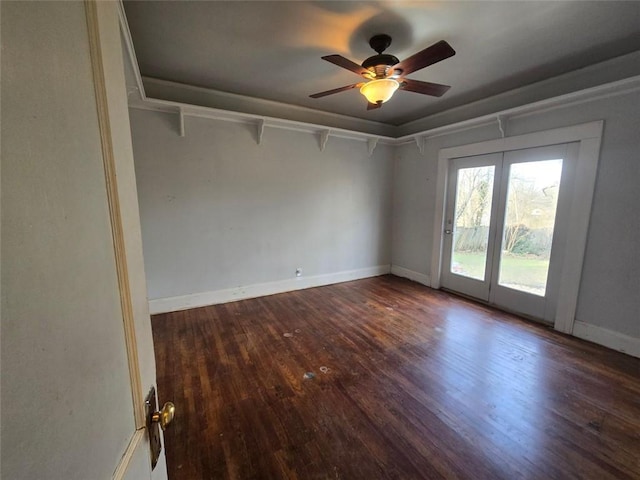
{"x": 385, "y": 73}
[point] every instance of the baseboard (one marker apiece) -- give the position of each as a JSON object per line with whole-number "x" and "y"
{"x": 411, "y": 275}
{"x": 608, "y": 338}
{"x": 184, "y": 302}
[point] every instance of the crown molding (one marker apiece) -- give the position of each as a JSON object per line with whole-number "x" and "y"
{"x": 373, "y": 133}
{"x": 260, "y": 122}
{"x": 500, "y": 118}
{"x": 134, "y": 85}
{"x": 220, "y": 100}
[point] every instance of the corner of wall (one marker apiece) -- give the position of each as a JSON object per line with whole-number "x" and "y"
{"x": 411, "y": 275}
{"x": 608, "y": 338}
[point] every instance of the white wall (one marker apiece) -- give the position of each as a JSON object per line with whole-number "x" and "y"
{"x": 609, "y": 289}
{"x": 219, "y": 211}
{"x": 67, "y": 398}
{"x": 64, "y": 365}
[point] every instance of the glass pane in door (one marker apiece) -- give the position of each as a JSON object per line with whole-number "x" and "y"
{"x": 472, "y": 216}
{"x": 532, "y": 198}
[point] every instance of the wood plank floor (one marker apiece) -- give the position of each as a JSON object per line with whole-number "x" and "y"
{"x": 419, "y": 384}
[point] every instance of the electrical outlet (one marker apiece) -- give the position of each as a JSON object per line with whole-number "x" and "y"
{"x": 299, "y": 272}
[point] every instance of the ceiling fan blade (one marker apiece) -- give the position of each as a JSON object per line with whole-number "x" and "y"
{"x": 373, "y": 106}
{"x": 335, "y": 90}
{"x": 426, "y": 88}
{"x": 430, "y": 55}
{"x": 340, "y": 61}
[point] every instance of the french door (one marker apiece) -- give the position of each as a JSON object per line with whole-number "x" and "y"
{"x": 504, "y": 227}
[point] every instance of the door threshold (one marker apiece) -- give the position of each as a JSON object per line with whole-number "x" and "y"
{"x": 537, "y": 320}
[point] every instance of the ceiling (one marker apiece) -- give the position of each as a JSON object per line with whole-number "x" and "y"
{"x": 271, "y": 50}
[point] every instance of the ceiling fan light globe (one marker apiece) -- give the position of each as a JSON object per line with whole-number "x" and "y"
{"x": 379, "y": 91}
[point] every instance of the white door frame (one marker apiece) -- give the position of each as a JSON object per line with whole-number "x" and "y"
{"x": 589, "y": 136}
{"x": 104, "y": 30}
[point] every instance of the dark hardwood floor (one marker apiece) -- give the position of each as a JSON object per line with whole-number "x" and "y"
{"x": 418, "y": 384}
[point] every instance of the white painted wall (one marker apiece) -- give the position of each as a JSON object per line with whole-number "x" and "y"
{"x": 64, "y": 366}
{"x": 220, "y": 211}
{"x": 609, "y": 289}
{"x": 67, "y": 407}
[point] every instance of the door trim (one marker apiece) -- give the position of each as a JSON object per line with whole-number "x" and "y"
{"x": 589, "y": 136}
{"x": 113, "y": 200}
{"x": 137, "y": 441}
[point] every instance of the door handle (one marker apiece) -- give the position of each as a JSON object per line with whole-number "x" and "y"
{"x": 155, "y": 419}
{"x": 448, "y": 232}
{"x": 165, "y": 416}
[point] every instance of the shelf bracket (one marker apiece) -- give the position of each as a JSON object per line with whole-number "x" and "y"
{"x": 421, "y": 142}
{"x": 181, "y": 121}
{"x": 371, "y": 144}
{"x": 324, "y": 136}
{"x": 260, "y": 130}
{"x": 131, "y": 90}
{"x": 501, "y": 125}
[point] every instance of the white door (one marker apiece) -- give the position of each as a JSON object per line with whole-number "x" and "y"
{"x": 77, "y": 356}
{"x": 470, "y": 224}
{"x": 504, "y": 227}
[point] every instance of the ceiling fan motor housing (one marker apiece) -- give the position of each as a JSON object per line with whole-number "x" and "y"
{"x": 380, "y": 64}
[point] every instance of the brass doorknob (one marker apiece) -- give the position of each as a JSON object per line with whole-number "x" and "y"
{"x": 165, "y": 415}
